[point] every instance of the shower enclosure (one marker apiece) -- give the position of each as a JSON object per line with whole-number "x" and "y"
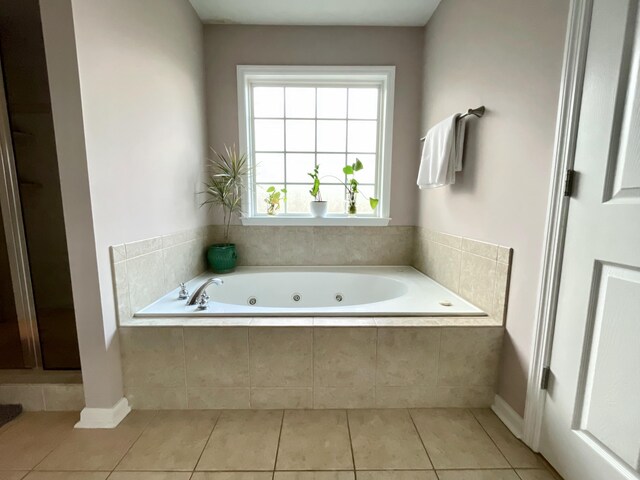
{"x": 37, "y": 321}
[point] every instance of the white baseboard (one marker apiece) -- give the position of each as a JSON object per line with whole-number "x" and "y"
{"x": 104, "y": 417}
{"x": 508, "y": 416}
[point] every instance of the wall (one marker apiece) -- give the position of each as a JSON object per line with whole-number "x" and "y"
{"x": 506, "y": 55}
{"x": 141, "y": 82}
{"x": 229, "y": 45}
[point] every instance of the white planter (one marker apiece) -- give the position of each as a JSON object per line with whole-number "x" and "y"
{"x": 318, "y": 209}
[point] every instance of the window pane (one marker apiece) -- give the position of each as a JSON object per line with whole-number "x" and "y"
{"x": 298, "y": 198}
{"x": 301, "y": 135}
{"x": 269, "y": 135}
{"x": 261, "y": 197}
{"x": 268, "y": 102}
{"x": 298, "y": 165}
{"x": 332, "y": 135}
{"x": 362, "y": 136}
{"x": 301, "y": 102}
{"x": 332, "y": 103}
{"x": 368, "y": 173}
{"x": 331, "y": 165}
{"x": 362, "y": 201}
{"x": 335, "y": 197}
{"x": 269, "y": 167}
{"x": 363, "y": 103}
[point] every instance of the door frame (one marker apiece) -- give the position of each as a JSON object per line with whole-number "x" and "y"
{"x": 572, "y": 80}
{"x": 16, "y": 241}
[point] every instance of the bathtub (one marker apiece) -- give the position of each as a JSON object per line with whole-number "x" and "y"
{"x": 317, "y": 292}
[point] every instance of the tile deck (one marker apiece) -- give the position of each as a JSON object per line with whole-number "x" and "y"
{"x": 381, "y": 444}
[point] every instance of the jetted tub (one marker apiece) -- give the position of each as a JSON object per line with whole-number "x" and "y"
{"x": 318, "y": 291}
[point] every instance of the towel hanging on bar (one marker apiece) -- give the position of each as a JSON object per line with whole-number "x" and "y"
{"x": 478, "y": 112}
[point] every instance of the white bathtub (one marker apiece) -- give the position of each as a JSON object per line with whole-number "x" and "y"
{"x": 317, "y": 292}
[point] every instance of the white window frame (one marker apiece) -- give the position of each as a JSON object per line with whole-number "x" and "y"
{"x": 381, "y": 76}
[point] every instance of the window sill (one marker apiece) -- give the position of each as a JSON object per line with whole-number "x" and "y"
{"x": 307, "y": 221}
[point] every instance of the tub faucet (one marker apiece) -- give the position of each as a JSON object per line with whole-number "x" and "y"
{"x": 202, "y": 290}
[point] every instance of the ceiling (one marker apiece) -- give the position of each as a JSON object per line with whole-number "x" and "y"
{"x": 316, "y": 12}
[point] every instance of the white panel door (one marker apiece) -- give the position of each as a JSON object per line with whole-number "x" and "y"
{"x": 591, "y": 422}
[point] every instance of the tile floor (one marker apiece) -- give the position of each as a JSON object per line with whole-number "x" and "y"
{"x": 416, "y": 444}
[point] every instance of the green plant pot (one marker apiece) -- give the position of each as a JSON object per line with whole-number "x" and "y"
{"x": 222, "y": 257}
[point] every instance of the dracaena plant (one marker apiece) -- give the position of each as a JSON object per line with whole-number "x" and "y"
{"x": 226, "y": 183}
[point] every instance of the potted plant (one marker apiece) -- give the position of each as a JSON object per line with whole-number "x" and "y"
{"x": 273, "y": 199}
{"x": 224, "y": 189}
{"x": 317, "y": 206}
{"x": 352, "y": 187}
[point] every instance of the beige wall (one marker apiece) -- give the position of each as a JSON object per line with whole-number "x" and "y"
{"x": 141, "y": 80}
{"x": 229, "y": 45}
{"x": 506, "y": 55}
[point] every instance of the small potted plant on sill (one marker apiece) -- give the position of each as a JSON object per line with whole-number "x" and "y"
{"x": 273, "y": 199}
{"x": 224, "y": 189}
{"x": 352, "y": 187}
{"x": 317, "y": 206}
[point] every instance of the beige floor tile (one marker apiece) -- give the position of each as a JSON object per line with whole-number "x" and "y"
{"x": 385, "y": 440}
{"x": 314, "y": 440}
{"x": 150, "y": 476}
{"x": 33, "y": 437}
{"x": 314, "y": 476}
{"x": 173, "y": 441}
{"x": 535, "y": 474}
{"x": 232, "y": 476}
{"x": 67, "y": 476}
{"x": 516, "y": 452}
{"x": 397, "y": 475}
{"x": 12, "y": 475}
{"x": 477, "y": 475}
{"x": 243, "y": 440}
{"x": 99, "y": 449}
{"x": 455, "y": 440}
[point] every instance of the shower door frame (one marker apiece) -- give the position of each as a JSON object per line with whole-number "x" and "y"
{"x": 16, "y": 241}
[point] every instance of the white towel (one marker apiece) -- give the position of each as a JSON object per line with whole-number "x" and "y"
{"x": 442, "y": 153}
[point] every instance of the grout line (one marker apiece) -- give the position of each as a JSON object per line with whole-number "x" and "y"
{"x": 421, "y": 440}
{"x": 490, "y": 437}
{"x": 353, "y": 457}
{"x": 275, "y": 462}
{"x": 184, "y": 369}
{"x": 249, "y": 366}
{"x": 220, "y": 413}
{"x": 142, "y": 431}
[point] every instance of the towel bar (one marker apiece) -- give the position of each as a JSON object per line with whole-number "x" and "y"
{"x": 478, "y": 112}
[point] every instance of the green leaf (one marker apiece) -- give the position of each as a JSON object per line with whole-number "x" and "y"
{"x": 348, "y": 170}
{"x": 358, "y": 165}
{"x": 271, "y": 189}
{"x": 373, "y": 202}
{"x": 284, "y": 190}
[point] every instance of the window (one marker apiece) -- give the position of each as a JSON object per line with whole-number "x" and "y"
{"x": 294, "y": 118}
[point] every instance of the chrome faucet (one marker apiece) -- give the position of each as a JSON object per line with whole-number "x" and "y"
{"x": 201, "y": 291}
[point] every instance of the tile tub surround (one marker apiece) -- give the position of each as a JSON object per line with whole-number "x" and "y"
{"x": 144, "y": 271}
{"x": 477, "y": 271}
{"x": 309, "y": 367}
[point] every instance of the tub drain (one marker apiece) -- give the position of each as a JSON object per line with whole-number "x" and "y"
{"x": 252, "y": 301}
{"x": 338, "y": 297}
{"x": 445, "y": 303}
{"x": 296, "y": 297}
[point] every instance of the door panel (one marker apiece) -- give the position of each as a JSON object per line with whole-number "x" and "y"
{"x": 605, "y": 394}
{"x": 591, "y": 422}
